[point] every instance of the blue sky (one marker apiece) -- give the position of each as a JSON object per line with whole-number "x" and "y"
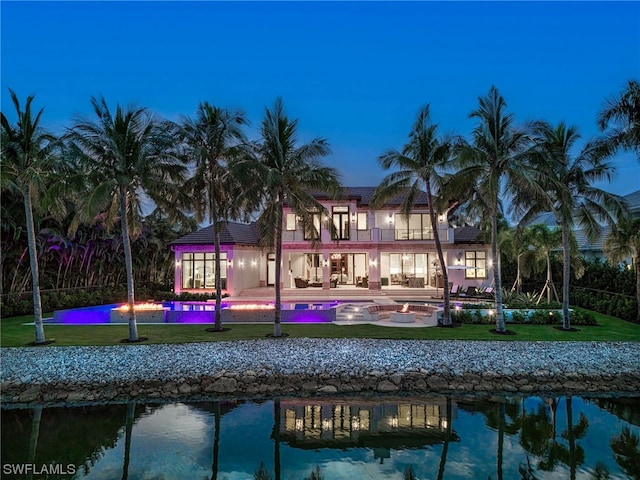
{"x": 354, "y": 73}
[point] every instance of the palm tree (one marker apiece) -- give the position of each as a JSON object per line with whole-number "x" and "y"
{"x": 418, "y": 164}
{"x": 210, "y": 140}
{"x": 124, "y": 156}
{"x": 27, "y": 161}
{"x": 622, "y": 113}
{"x": 281, "y": 171}
{"x": 571, "y": 196}
{"x": 495, "y": 165}
{"x": 624, "y": 242}
{"x": 516, "y": 244}
{"x": 545, "y": 240}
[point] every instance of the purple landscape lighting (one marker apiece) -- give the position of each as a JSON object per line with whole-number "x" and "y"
{"x": 199, "y": 313}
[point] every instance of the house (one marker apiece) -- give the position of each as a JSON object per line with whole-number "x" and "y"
{"x": 371, "y": 249}
{"x": 591, "y": 249}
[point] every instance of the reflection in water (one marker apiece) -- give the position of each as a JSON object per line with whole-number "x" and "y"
{"x": 298, "y": 438}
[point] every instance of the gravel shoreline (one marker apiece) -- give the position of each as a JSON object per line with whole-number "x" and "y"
{"x": 314, "y": 366}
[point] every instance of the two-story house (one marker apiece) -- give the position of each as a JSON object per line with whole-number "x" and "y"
{"x": 369, "y": 248}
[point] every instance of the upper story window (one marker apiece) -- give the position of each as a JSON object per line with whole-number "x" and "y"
{"x": 362, "y": 221}
{"x": 341, "y": 222}
{"x": 290, "y": 221}
{"x": 418, "y": 227}
{"x": 476, "y": 263}
{"x": 312, "y": 230}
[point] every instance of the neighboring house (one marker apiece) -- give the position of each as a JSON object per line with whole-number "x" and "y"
{"x": 591, "y": 249}
{"x": 373, "y": 249}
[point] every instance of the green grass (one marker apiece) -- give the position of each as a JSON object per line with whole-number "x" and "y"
{"x": 14, "y": 333}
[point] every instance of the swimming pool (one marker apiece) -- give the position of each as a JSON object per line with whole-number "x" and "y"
{"x": 299, "y": 311}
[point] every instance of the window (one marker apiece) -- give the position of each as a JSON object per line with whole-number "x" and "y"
{"x": 312, "y": 231}
{"x": 291, "y": 221}
{"x": 341, "y": 223}
{"x": 198, "y": 270}
{"x": 476, "y": 263}
{"x": 417, "y": 228}
{"x": 362, "y": 221}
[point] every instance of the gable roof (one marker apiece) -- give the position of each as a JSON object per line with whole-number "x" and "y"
{"x": 232, "y": 233}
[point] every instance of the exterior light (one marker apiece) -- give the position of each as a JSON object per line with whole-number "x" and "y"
{"x": 373, "y": 262}
{"x": 391, "y": 218}
{"x": 241, "y": 264}
{"x": 254, "y": 263}
{"x": 353, "y": 217}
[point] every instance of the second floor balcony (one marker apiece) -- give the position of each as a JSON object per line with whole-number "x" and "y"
{"x": 372, "y": 235}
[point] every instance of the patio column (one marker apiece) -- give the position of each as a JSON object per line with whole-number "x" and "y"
{"x": 374, "y": 270}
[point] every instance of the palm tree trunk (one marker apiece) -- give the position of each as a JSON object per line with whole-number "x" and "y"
{"x": 35, "y": 433}
{"x": 501, "y": 422}
{"x": 566, "y": 272}
{"x": 216, "y": 440}
{"x": 447, "y": 436}
{"x": 216, "y": 243}
{"x": 446, "y": 315}
{"x": 128, "y": 261}
{"x": 497, "y": 274}
{"x": 276, "y": 437}
{"x": 35, "y": 276}
{"x": 637, "y": 267}
{"x": 131, "y": 415}
{"x": 277, "y": 329}
{"x": 571, "y": 438}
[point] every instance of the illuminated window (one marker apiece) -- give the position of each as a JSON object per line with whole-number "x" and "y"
{"x": 199, "y": 270}
{"x": 312, "y": 230}
{"x": 291, "y": 221}
{"x": 362, "y": 221}
{"x": 476, "y": 263}
{"x": 341, "y": 223}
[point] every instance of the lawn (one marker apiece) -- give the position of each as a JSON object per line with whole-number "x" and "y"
{"x": 14, "y": 333}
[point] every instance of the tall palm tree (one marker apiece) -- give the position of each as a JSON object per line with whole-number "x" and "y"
{"x": 281, "y": 171}
{"x": 210, "y": 139}
{"x": 493, "y": 167}
{"x": 124, "y": 156}
{"x": 624, "y": 242}
{"x": 27, "y": 161}
{"x": 572, "y": 197}
{"x": 419, "y": 164}
{"x": 622, "y": 114}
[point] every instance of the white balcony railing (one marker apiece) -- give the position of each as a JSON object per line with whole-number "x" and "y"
{"x": 383, "y": 235}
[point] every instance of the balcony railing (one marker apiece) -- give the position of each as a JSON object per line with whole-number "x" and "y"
{"x": 384, "y": 235}
{"x": 389, "y": 235}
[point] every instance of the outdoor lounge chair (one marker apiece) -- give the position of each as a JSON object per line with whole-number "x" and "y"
{"x": 301, "y": 282}
{"x": 470, "y": 292}
{"x": 333, "y": 282}
{"x": 455, "y": 290}
{"x": 488, "y": 293}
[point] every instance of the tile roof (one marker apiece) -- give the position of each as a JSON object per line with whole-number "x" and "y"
{"x": 232, "y": 233}
{"x": 634, "y": 200}
{"x": 364, "y": 195}
{"x": 466, "y": 234}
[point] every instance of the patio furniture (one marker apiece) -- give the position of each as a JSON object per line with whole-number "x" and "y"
{"x": 333, "y": 282}
{"x": 301, "y": 282}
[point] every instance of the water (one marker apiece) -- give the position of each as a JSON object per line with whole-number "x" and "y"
{"x": 186, "y": 312}
{"x": 365, "y": 438}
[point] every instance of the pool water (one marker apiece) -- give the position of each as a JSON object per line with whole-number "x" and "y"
{"x": 360, "y": 438}
{"x": 198, "y": 312}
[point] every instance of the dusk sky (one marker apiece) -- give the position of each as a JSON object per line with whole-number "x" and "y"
{"x": 353, "y": 73}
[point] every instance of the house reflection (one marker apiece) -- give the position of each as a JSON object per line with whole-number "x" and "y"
{"x": 381, "y": 425}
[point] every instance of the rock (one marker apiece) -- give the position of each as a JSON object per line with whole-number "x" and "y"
{"x": 387, "y": 386}
{"x": 328, "y": 389}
